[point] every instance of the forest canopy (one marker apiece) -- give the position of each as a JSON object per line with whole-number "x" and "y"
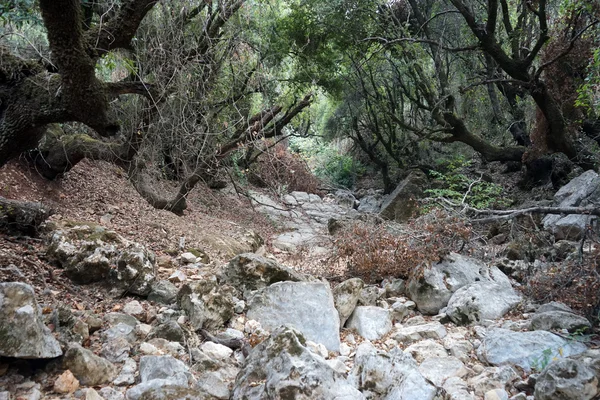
{"x": 188, "y": 91}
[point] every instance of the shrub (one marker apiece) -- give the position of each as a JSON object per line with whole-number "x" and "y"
{"x": 374, "y": 252}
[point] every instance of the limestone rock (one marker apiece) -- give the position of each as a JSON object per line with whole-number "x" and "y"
{"x": 433, "y": 291}
{"x": 135, "y": 271}
{"x": 526, "y": 349}
{"x": 481, "y": 300}
{"x": 409, "y": 334}
{"x": 206, "y": 304}
{"x": 22, "y": 331}
{"x": 249, "y": 271}
{"x": 493, "y": 378}
{"x": 345, "y": 297}
{"x": 426, "y": 349}
{"x": 370, "y": 322}
{"x": 163, "y": 292}
{"x": 392, "y": 375}
{"x": 169, "y": 330}
{"x": 550, "y": 320}
{"x": 282, "y": 367}
{"x": 87, "y": 367}
{"x": 581, "y": 191}
{"x": 401, "y": 204}
{"x": 306, "y": 306}
{"x": 161, "y": 374}
{"x": 566, "y": 379}
{"x": 438, "y": 369}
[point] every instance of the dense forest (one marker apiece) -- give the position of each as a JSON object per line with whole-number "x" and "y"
{"x": 187, "y": 91}
{"x": 299, "y": 199}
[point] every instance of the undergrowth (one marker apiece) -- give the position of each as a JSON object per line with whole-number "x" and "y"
{"x": 373, "y": 252}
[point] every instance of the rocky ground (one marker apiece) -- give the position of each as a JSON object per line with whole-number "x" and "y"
{"x": 119, "y": 301}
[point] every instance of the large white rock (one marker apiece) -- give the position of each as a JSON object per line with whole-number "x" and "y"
{"x": 481, "y": 300}
{"x": 392, "y": 375}
{"x": 22, "y": 331}
{"x": 370, "y": 322}
{"x": 438, "y": 369}
{"x": 282, "y": 367}
{"x": 345, "y": 297}
{"x": 526, "y": 349}
{"x": 409, "y": 334}
{"x": 306, "y": 306}
{"x": 434, "y": 289}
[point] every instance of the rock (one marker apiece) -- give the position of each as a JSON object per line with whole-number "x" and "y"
{"x": 178, "y": 276}
{"x": 307, "y": 306}
{"x": 134, "y": 273}
{"x": 170, "y": 331}
{"x": 370, "y": 322}
{"x": 109, "y": 393}
{"x": 91, "y": 394}
{"x": 206, "y": 304}
{"x": 433, "y": 291}
{"x": 496, "y": 394}
{"x": 394, "y": 287}
{"x": 438, "y": 369}
{"x": 115, "y": 318}
{"x": 409, "y": 334}
{"x": 579, "y": 192}
{"x": 87, "y": 367}
{"x": 370, "y": 204}
{"x": 159, "y": 374}
{"x": 368, "y": 296}
{"x": 566, "y": 379}
{"x": 217, "y": 383}
{"x": 120, "y": 330}
{"x": 22, "y": 331}
{"x": 493, "y": 378}
{"x": 116, "y": 350}
{"x": 550, "y": 320}
{"x": 345, "y": 198}
{"x": 392, "y": 375}
{"x": 163, "y": 292}
{"x": 66, "y": 383}
{"x": 127, "y": 375}
{"x": 249, "y": 271}
{"x": 554, "y": 306}
{"x": 216, "y": 351}
{"x": 345, "y": 350}
{"x": 188, "y": 258}
{"x": 135, "y": 309}
{"x": 402, "y": 204}
{"x": 345, "y": 297}
{"x": 426, "y": 349}
{"x": 525, "y": 349}
{"x": 457, "y": 389}
{"x": 282, "y": 367}
{"x": 479, "y": 301}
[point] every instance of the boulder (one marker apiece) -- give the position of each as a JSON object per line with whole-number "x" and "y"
{"x": 306, "y": 306}
{"x": 163, "y": 292}
{"x": 392, "y": 375}
{"x": 87, "y": 367}
{"x": 433, "y": 290}
{"x": 493, "y": 378}
{"x": 247, "y": 272}
{"x": 345, "y": 297}
{"x": 410, "y": 334}
{"x": 370, "y": 204}
{"x": 282, "y": 367}
{"x": 565, "y": 380}
{"x": 425, "y": 349}
{"x": 481, "y": 300}
{"x": 88, "y": 253}
{"x": 581, "y": 191}
{"x": 169, "y": 330}
{"x": 437, "y": 369}
{"x": 528, "y": 350}
{"x": 370, "y": 322}
{"x": 401, "y": 204}
{"x": 550, "y": 320}
{"x": 206, "y": 304}
{"x": 22, "y": 331}
{"x": 160, "y": 374}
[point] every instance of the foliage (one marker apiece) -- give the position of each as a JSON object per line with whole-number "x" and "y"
{"x": 588, "y": 93}
{"x": 456, "y": 186}
{"x": 329, "y": 161}
{"x": 372, "y": 252}
{"x": 18, "y": 12}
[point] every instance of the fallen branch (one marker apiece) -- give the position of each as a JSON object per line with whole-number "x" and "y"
{"x": 509, "y": 214}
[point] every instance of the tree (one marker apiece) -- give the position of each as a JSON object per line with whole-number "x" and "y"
{"x": 177, "y": 67}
